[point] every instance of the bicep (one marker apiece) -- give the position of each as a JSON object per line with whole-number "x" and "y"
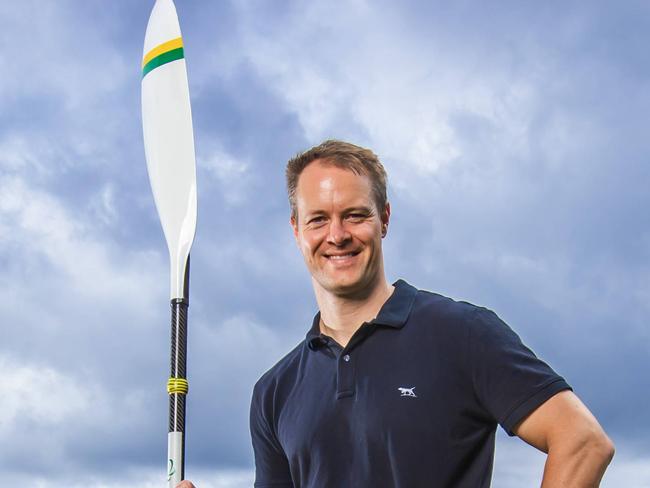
{"x": 271, "y": 463}
{"x": 563, "y": 417}
{"x": 509, "y": 380}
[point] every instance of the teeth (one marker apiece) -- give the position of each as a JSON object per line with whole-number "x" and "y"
{"x": 341, "y": 257}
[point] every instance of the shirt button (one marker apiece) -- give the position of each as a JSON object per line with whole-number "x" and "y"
{"x": 346, "y": 358}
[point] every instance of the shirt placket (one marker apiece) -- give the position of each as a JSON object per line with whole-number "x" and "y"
{"x": 345, "y": 374}
{"x": 346, "y": 363}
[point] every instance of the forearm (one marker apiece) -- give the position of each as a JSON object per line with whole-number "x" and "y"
{"x": 580, "y": 466}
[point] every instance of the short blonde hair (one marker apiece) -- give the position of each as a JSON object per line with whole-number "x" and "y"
{"x": 344, "y": 155}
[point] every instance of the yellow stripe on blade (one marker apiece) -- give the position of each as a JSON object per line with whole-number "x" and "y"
{"x": 163, "y": 48}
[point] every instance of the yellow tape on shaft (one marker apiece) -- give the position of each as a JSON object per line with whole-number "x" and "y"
{"x": 177, "y": 385}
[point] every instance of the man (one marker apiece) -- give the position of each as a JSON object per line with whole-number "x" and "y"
{"x": 394, "y": 386}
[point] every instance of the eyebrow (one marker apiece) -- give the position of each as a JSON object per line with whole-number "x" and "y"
{"x": 361, "y": 209}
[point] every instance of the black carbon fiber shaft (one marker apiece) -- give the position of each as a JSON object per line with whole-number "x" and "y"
{"x": 178, "y": 363}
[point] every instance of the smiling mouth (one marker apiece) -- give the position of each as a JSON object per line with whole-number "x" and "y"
{"x": 341, "y": 257}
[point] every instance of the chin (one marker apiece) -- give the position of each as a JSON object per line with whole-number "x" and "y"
{"x": 347, "y": 287}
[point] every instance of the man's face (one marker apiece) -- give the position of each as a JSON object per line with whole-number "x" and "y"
{"x": 338, "y": 229}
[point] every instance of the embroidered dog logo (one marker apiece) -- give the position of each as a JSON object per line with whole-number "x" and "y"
{"x": 408, "y": 392}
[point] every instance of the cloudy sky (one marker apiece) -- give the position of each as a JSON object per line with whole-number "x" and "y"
{"x": 515, "y": 135}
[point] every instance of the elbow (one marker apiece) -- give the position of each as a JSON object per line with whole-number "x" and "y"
{"x": 590, "y": 445}
{"x": 600, "y": 448}
{"x": 606, "y": 449}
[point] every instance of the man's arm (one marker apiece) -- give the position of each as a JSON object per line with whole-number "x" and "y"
{"x": 578, "y": 449}
{"x": 271, "y": 464}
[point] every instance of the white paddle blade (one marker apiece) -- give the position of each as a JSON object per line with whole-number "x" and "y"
{"x": 168, "y": 136}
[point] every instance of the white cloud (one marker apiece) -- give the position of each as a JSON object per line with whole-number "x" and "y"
{"x": 49, "y": 59}
{"x": 73, "y": 297}
{"x": 239, "y": 349}
{"x": 243, "y": 340}
{"x": 38, "y": 226}
{"x": 51, "y": 417}
{"x": 402, "y": 89}
{"x": 231, "y": 175}
{"x": 17, "y": 154}
{"x": 40, "y": 394}
{"x": 138, "y": 478}
{"x": 102, "y": 206}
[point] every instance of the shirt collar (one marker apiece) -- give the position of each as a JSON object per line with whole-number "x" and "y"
{"x": 393, "y": 313}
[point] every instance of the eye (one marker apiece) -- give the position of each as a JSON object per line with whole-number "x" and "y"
{"x": 356, "y": 217}
{"x": 316, "y": 220}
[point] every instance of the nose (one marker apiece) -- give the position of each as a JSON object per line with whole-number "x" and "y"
{"x": 338, "y": 235}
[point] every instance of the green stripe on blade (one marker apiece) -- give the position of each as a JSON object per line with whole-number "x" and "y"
{"x": 164, "y": 58}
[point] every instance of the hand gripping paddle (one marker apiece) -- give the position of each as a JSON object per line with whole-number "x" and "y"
{"x": 169, "y": 149}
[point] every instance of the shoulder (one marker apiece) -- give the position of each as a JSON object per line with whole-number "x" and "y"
{"x": 445, "y": 311}
{"x": 442, "y": 305}
{"x": 458, "y": 321}
{"x": 280, "y": 373}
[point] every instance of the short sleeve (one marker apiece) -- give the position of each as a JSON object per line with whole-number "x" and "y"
{"x": 271, "y": 464}
{"x": 510, "y": 381}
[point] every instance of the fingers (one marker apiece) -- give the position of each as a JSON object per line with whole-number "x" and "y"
{"x": 185, "y": 484}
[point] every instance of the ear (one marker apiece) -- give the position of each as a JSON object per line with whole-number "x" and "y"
{"x": 294, "y": 226}
{"x": 385, "y": 218}
{"x": 385, "y": 215}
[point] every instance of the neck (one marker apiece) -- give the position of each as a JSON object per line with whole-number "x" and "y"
{"x": 342, "y": 315}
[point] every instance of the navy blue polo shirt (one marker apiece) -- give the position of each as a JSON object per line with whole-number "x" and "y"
{"x": 413, "y": 400}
